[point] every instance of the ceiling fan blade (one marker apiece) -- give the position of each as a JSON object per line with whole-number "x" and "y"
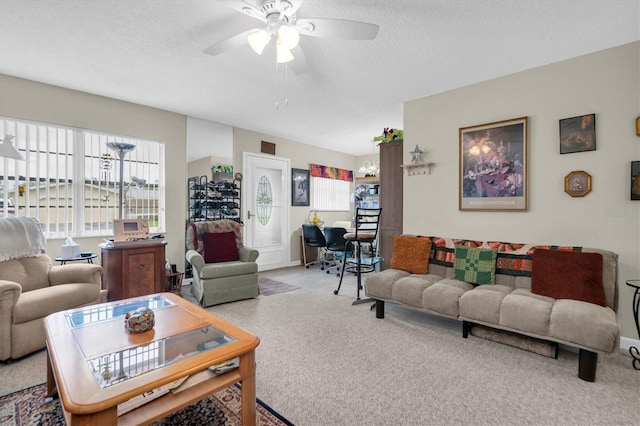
{"x": 231, "y": 43}
{"x": 245, "y": 7}
{"x": 299, "y": 64}
{"x": 337, "y": 28}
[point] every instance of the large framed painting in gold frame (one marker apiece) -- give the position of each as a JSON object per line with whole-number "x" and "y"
{"x": 493, "y": 173}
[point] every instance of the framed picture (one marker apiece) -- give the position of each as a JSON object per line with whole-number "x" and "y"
{"x": 635, "y": 180}
{"x": 299, "y": 187}
{"x": 578, "y": 134}
{"x": 493, "y": 166}
{"x": 577, "y": 183}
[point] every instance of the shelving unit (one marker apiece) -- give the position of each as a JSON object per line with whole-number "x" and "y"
{"x": 367, "y": 192}
{"x": 214, "y": 199}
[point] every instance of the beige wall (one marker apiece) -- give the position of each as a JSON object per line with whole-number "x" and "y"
{"x": 606, "y": 83}
{"x": 26, "y": 99}
{"x": 301, "y": 155}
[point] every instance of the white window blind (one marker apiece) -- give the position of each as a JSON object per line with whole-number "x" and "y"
{"x": 330, "y": 194}
{"x": 64, "y": 183}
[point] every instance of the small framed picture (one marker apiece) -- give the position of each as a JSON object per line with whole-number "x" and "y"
{"x": 577, "y": 183}
{"x": 299, "y": 187}
{"x": 635, "y": 180}
{"x": 578, "y": 134}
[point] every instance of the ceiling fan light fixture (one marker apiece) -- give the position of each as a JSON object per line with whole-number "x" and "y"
{"x": 258, "y": 40}
{"x": 288, "y": 36}
{"x": 283, "y": 55}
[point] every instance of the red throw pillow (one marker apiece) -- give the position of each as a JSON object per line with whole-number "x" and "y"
{"x": 220, "y": 247}
{"x": 568, "y": 275}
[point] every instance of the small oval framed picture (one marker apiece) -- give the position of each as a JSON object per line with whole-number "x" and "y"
{"x": 577, "y": 183}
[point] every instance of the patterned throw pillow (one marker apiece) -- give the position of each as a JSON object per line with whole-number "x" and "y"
{"x": 475, "y": 265}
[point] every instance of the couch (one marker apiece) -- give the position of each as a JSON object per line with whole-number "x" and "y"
{"x": 219, "y": 281}
{"x": 510, "y": 302}
{"x": 32, "y": 288}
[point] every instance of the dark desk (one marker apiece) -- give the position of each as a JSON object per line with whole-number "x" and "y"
{"x": 88, "y": 259}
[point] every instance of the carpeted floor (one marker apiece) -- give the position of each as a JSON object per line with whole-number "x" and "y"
{"x": 269, "y": 287}
{"x": 29, "y": 407}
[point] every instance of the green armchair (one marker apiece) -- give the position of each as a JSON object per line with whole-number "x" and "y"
{"x": 221, "y": 282}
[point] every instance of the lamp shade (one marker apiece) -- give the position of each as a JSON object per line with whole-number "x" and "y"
{"x": 283, "y": 55}
{"x": 288, "y": 36}
{"x": 8, "y": 150}
{"x": 258, "y": 40}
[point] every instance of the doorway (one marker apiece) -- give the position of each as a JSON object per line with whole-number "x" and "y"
{"x": 266, "y": 196}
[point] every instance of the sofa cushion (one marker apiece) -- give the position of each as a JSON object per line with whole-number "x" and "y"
{"x": 380, "y": 284}
{"x": 220, "y": 247}
{"x": 483, "y": 303}
{"x": 228, "y": 269}
{"x": 443, "y": 297}
{"x": 584, "y": 324}
{"x": 475, "y": 265}
{"x": 39, "y": 303}
{"x": 568, "y": 275}
{"x": 525, "y": 312}
{"x": 411, "y": 254}
{"x": 409, "y": 290}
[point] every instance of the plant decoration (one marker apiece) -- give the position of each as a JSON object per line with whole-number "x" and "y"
{"x": 389, "y": 135}
{"x": 222, "y": 169}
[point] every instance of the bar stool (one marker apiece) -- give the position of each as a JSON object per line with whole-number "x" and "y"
{"x": 365, "y": 232}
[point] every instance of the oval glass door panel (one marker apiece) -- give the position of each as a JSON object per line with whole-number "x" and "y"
{"x": 264, "y": 200}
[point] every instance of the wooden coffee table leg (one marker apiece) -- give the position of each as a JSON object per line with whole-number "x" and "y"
{"x": 51, "y": 381}
{"x": 248, "y": 395}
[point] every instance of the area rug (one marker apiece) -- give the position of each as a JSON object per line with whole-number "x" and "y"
{"x": 269, "y": 287}
{"x": 29, "y": 408}
{"x": 531, "y": 344}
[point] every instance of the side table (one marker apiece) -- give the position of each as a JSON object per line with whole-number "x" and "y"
{"x": 635, "y": 354}
{"x": 88, "y": 258}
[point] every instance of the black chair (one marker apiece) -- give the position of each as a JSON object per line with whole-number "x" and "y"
{"x": 337, "y": 245}
{"x": 365, "y": 232}
{"x": 313, "y": 237}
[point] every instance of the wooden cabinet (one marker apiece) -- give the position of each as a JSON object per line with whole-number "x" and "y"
{"x": 133, "y": 269}
{"x": 391, "y": 158}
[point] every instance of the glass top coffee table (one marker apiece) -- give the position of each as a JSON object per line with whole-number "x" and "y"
{"x": 95, "y": 364}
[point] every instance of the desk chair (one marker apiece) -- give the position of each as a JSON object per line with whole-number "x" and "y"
{"x": 313, "y": 237}
{"x": 338, "y": 245}
{"x": 365, "y": 232}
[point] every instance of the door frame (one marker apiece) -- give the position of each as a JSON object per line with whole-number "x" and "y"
{"x": 247, "y": 203}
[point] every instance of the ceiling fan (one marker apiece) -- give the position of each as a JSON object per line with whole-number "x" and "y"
{"x": 282, "y": 25}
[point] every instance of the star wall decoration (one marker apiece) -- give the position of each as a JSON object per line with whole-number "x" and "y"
{"x": 416, "y": 155}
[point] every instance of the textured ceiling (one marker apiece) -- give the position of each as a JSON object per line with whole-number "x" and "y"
{"x": 150, "y": 52}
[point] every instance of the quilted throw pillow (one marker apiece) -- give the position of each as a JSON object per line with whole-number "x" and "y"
{"x": 220, "y": 247}
{"x": 568, "y": 275}
{"x": 411, "y": 254}
{"x": 475, "y": 265}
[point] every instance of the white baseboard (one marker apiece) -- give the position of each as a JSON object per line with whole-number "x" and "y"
{"x": 626, "y": 343}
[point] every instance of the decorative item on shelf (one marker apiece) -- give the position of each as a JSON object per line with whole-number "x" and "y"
{"x": 577, "y": 183}
{"x": 140, "y": 320}
{"x": 389, "y": 135}
{"x": 418, "y": 166}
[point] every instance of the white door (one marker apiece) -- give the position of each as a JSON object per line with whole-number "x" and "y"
{"x": 266, "y": 193}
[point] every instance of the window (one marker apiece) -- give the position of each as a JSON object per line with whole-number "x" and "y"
{"x": 330, "y": 194}
{"x": 70, "y": 180}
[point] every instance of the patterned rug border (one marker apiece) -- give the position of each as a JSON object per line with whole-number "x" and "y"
{"x": 23, "y": 407}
